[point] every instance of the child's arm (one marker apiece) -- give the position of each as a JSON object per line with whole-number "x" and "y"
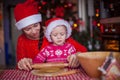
{"x": 41, "y": 57}
{"x": 72, "y": 59}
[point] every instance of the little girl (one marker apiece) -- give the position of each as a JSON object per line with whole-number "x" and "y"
{"x": 57, "y": 31}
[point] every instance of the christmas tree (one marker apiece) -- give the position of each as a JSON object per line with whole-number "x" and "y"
{"x": 67, "y": 9}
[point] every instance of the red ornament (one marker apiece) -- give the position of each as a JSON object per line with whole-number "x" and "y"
{"x": 69, "y": 4}
{"x": 59, "y": 11}
{"x": 43, "y": 3}
{"x": 94, "y": 23}
{"x": 102, "y": 29}
{"x": 81, "y": 22}
{"x": 97, "y": 11}
{"x": 39, "y": 7}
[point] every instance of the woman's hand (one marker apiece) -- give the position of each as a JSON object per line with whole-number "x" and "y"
{"x": 73, "y": 61}
{"x": 25, "y": 64}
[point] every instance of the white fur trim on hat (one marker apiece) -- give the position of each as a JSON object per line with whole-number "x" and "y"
{"x": 28, "y": 21}
{"x": 54, "y": 24}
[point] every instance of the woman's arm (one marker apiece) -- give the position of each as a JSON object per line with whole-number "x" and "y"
{"x": 79, "y": 47}
{"x": 23, "y": 62}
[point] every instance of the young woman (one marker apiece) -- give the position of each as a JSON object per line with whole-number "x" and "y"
{"x": 30, "y": 24}
{"x": 30, "y": 41}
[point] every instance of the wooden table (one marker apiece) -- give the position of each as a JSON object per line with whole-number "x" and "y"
{"x": 14, "y": 74}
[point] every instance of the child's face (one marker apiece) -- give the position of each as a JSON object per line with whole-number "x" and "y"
{"x": 58, "y": 35}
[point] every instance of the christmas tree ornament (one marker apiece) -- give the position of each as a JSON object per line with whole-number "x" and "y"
{"x": 97, "y": 45}
{"x": 59, "y": 11}
{"x": 71, "y": 21}
{"x": 48, "y": 13}
{"x": 90, "y": 45}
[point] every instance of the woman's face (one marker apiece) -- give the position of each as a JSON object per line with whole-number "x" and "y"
{"x": 32, "y": 31}
{"x": 58, "y": 35}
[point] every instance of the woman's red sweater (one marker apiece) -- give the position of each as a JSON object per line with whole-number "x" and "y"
{"x": 27, "y": 48}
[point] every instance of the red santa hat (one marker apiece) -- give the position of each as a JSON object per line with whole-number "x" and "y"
{"x": 54, "y": 22}
{"x": 26, "y": 14}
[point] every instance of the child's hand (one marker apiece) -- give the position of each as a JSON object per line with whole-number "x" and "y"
{"x": 73, "y": 61}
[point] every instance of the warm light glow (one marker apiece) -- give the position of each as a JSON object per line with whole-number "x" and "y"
{"x": 112, "y": 45}
{"x": 65, "y": 6}
{"x": 97, "y": 14}
{"x": 98, "y": 24}
{"x": 74, "y": 25}
{"x": 52, "y": 9}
